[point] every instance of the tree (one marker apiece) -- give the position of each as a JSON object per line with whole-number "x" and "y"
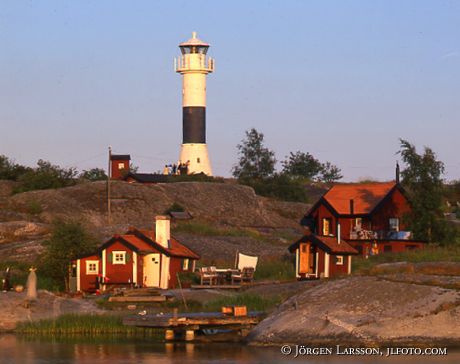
{"x": 301, "y": 164}
{"x": 45, "y": 176}
{"x": 422, "y": 179}
{"x": 255, "y": 160}
{"x": 11, "y": 170}
{"x": 330, "y": 173}
{"x": 94, "y": 174}
{"x": 69, "y": 240}
{"x": 305, "y": 165}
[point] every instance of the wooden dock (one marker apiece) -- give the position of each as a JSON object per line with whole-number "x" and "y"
{"x": 176, "y": 325}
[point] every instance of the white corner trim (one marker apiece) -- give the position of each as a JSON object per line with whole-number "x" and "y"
{"x": 104, "y": 262}
{"x": 297, "y": 275}
{"x": 78, "y": 276}
{"x": 326, "y": 265}
{"x": 134, "y": 267}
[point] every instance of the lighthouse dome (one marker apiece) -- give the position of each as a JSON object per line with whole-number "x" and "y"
{"x": 194, "y": 41}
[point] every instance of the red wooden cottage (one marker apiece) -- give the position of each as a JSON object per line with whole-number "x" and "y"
{"x": 368, "y": 216}
{"x": 321, "y": 256}
{"x": 140, "y": 258}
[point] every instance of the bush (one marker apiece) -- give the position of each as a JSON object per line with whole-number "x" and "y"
{"x": 279, "y": 186}
{"x": 175, "y": 207}
{"x": 69, "y": 240}
{"x": 34, "y": 207}
{"x": 46, "y": 176}
{"x": 10, "y": 170}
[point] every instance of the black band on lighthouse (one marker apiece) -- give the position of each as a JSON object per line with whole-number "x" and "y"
{"x": 194, "y": 124}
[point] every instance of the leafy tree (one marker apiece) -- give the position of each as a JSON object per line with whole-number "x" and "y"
{"x": 255, "y": 160}
{"x": 422, "y": 179}
{"x": 94, "y": 174}
{"x": 68, "y": 241}
{"x": 10, "y": 170}
{"x": 330, "y": 173}
{"x": 45, "y": 176}
{"x": 301, "y": 164}
{"x": 306, "y": 166}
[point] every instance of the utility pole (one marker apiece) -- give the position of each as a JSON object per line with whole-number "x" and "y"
{"x": 109, "y": 174}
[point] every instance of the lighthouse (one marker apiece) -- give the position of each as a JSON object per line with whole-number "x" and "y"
{"x": 194, "y": 65}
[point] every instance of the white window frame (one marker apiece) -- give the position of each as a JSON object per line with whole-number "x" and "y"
{"x": 122, "y": 253}
{"x": 185, "y": 264}
{"x": 327, "y": 220}
{"x": 90, "y": 271}
{"x": 121, "y": 166}
{"x": 339, "y": 260}
{"x": 395, "y": 219}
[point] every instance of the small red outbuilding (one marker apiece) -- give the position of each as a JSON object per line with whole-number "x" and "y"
{"x": 140, "y": 258}
{"x": 322, "y": 256}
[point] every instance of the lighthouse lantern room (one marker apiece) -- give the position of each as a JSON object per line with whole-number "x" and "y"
{"x": 194, "y": 65}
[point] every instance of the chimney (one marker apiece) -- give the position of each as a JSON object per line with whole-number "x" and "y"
{"x": 397, "y": 172}
{"x": 352, "y": 207}
{"x": 162, "y": 230}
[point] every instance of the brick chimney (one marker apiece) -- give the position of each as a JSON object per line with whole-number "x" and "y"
{"x": 352, "y": 207}
{"x": 162, "y": 230}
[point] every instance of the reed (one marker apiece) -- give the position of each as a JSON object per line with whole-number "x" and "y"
{"x": 84, "y": 325}
{"x": 253, "y": 302}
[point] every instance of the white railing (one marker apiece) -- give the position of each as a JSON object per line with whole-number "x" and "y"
{"x": 195, "y": 62}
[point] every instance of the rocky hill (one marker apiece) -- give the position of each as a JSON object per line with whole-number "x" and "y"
{"x": 25, "y": 218}
{"x": 408, "y": 309}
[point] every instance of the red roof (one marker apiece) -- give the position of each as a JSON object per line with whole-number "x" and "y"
{"x": 138, "y": 243}
{"x": 365, "y": 196}
{"x": 326, "y": 243}
{"x": 335, "y": 247}
{"x": 176, "y": 248}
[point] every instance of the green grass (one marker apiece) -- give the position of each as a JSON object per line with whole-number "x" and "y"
{"x": 34, "y": 207}
{"x": 281, "y": 270}
{"x": 206, "y": 229}
{"x": 253, "y": 302}
{"x": 85, "y": 324}
{"x": 429, "y": 254}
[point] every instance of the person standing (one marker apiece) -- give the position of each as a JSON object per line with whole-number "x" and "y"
{"x": 6, "y": 280}
{"x": 32, "y": 285}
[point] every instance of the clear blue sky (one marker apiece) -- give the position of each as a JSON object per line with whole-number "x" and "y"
{"x": 342, "y": 80}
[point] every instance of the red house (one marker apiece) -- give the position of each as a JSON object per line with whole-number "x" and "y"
{"x": 321, "y": 256}
{"x": 140, "y": 258}
{"x": 368, "y": 216}
{"x": 119, "y": 165}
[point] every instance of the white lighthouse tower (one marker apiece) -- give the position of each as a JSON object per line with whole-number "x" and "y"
{"x": 194, "y": 65}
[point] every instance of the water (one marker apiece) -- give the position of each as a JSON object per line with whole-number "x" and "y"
{"x": 15, "y": 349}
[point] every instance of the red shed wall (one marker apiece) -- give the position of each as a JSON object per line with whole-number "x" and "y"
{"x": 119, "y": 273}
{"x": 175, "y": 266}
{"x": 335, "y": 269}
{"x": 320, "y": 213}
{"x": 395, "y": 206}
{"x": 397, "y": 246}
{"x": 117, "y": 173}
{"x": 88, "y": 281}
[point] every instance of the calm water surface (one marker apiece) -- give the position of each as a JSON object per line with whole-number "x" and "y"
{"x": 26, "y": 351}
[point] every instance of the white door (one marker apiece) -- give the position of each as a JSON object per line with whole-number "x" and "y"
{"x": 152, "y": 270}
